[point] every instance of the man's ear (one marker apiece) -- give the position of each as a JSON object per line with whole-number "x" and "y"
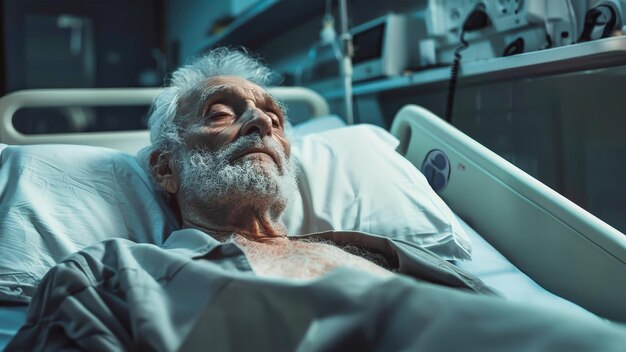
{"x": 164, "y": 172}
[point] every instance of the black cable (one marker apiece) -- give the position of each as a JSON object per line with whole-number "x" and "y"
{"x": 476, "y": 20}
{"x": 454, "y": 74}
{"x": 603, "y": 15}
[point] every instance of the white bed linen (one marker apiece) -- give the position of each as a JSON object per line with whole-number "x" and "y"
{"x": 498, "y": 272}
{"x": 11, "y": 319}
{"x": 352, "y": 179}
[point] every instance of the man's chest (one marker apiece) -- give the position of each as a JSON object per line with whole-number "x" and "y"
{"x": 299, "y": 259}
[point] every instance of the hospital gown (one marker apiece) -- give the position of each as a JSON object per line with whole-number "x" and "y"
{"x": 197, "y": 293}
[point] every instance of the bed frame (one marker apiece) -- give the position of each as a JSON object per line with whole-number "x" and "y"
{"x": 561, "y": 246}
{"x": 129, "y": 141}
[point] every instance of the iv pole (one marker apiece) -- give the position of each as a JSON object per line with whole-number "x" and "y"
{"x": 346, "y": 61}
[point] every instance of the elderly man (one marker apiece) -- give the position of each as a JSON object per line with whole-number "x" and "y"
{"x": 231, "y": 279}
{"x": 224, "y": 158}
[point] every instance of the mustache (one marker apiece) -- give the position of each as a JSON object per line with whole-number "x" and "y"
{"x": 245, "y": 143}
{"x": 208, "y": 175}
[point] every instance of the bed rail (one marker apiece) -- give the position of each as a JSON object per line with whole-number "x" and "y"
{"x": 130, "y": 141}
{"x": 564, "y": 248}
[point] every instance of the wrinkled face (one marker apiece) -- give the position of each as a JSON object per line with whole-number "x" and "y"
{"x": 231, "y": 107}
{"x": 235, "y": 145}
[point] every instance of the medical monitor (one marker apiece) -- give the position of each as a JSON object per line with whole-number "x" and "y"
{"x": 384, "y": 47}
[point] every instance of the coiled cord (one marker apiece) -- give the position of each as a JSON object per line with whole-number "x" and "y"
{"x": 477, "y": 19}
{"x": 454, "y": 75}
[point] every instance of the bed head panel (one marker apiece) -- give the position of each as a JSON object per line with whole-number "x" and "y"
{"x": 560, "y": 245}
{"x": 129, "y": 141}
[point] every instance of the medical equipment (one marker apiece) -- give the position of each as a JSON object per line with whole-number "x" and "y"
{"x": 324, "y": 56}
{"x": 515, "y": 27}
{"x": 386, "y": 46}
{"x": 564, "y": 248}
{"x": 346, "y": 61}
{"x": 604, "y": 18}
{"x": 329, "y": 58}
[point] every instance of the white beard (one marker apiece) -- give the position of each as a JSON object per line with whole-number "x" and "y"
{"x": 209, "y": 179}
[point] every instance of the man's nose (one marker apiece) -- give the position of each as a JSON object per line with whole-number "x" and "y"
{"x": 256, "y": 121}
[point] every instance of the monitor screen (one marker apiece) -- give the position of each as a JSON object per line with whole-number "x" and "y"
{"x": 368, "y": 44}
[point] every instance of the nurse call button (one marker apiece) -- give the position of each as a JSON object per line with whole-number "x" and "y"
{"x": 436, "y": 169}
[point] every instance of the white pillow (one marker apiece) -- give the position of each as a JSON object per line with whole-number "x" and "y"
{"x": 352, "y": 178}
{"x": 57, "y": 199}
{"x": 318, "y": 124}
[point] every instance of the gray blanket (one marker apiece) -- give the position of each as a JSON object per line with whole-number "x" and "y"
{"x": 196, "y": 293}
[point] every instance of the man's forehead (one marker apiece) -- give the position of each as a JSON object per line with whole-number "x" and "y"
{"x": 233, "y": 85}
{"x": 218, "y": 86}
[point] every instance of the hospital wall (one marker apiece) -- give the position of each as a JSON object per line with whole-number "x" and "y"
{"x": 77, "y": 43}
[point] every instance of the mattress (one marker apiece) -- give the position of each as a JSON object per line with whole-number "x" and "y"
{"x": 498, "y": 272}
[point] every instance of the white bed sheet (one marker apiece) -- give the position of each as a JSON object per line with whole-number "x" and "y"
{"x": 498, "y": 272}
{"x": 11, "y": 319}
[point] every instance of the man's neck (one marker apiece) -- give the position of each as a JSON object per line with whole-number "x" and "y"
{"x": 222, "y": 220}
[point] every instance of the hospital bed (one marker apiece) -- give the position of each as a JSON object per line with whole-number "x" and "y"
{"x": 530, "y": 243}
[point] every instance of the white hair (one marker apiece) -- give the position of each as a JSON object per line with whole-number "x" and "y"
{"x": 166, "y": 113}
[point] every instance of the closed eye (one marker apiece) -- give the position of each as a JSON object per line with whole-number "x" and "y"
{"x": 275, "y": 119}
{"x": 219, "y": 112}
{"x": 219, "y": 115}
